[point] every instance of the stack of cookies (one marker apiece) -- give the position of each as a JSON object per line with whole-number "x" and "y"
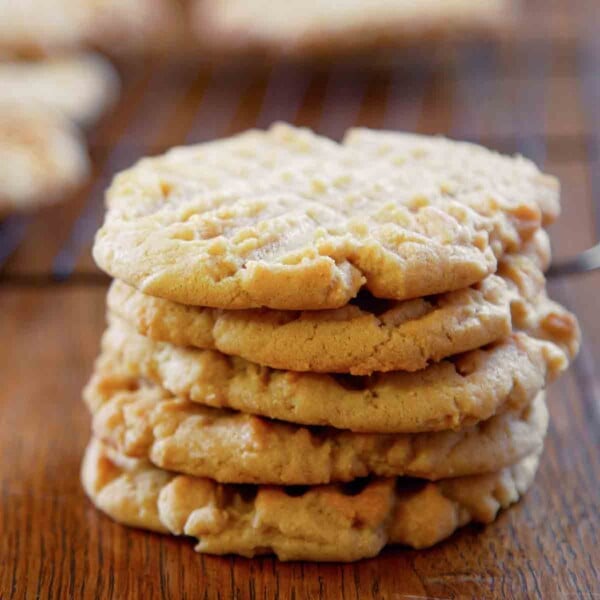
{"x": 317, "y": 349}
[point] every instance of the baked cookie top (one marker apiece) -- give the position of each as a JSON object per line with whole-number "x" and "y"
{"x": 389, "y": 147}
{"x": 301, "y": 28}
{"x": 141, "y": 420}
{"x": 81, "y": 86}
{"x": 42, "y": 156}
{"x": 287, "y": 219}
{"x": 332, "y": 522}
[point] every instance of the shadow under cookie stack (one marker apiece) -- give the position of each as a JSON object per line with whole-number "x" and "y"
{"x": 318, "y": 349}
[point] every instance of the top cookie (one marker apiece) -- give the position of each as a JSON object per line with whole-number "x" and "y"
{"x": 301, "y": 27}
{"x": 287, "y": 219}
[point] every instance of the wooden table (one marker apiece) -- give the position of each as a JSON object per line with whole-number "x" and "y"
{"x": 539, "y": 96}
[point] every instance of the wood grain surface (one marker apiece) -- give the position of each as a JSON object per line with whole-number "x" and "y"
{"x": 539, "y": 96}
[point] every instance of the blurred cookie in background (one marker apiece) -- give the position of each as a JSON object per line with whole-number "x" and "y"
{"x": 34, "y": 27}
{"x": 320, "y": 29}
{"x": 40, "y": 27}
{"x": 82, "y": 87}
{"x": 42, "y": 156}
{"x": 122, "y": 27}
{"x": 43, "y": 102}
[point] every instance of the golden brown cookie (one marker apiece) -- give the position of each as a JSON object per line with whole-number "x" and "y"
{"x": 533, "y": 311}
{"x": 287, "y": 219}
{"x": 365, "y": 336}
{"x": 141, "y": 420}
{"x": 327, "y": 523}
{"x": 368, "y": 334}
{"x": 447, "y": 395}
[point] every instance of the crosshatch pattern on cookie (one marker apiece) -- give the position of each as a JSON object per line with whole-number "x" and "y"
{"x": 287, "y": 219}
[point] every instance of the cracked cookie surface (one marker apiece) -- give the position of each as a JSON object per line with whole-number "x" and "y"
{"x": 327, "y": 523}
{"x": 446, "y": 395}
{"x": 141, "y": 420}
{"x": 367, "y": 335}
{"x": 287, "y": 219}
